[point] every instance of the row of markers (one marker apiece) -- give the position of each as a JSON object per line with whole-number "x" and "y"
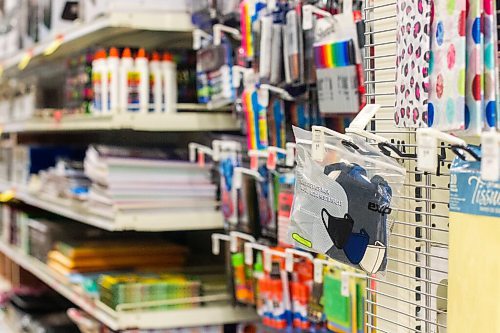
{"x": 292, "y": 289}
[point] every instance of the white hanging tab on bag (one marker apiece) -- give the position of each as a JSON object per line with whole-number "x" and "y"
{"x": 216, "y": 239}
{"x": 490, "y": 156}
{"x": 291, "y": 151}
{"x": 307, "y": 15}
{"x": 318, "y": 141}
{"x": 359, "y": 123}
{"x": 427, "y": 150}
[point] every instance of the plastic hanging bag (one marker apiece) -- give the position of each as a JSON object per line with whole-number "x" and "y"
{"x": 341, "y": 204}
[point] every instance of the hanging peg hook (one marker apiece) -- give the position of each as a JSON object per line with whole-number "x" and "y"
{"x": 268, "y": 253}
{"x": 219, "y": 28}
{"x": 277, "y": 90}
{"x": 235, "y": 236}
{"x": 216, "y": 239}
{"x": 201, "y": 149}
{"x": 386, "y": 147}
{"x": 307, "y": 15}
{"x": 249, "y": 247}
{"x": 238, "y": 176}
{"x": 198, "y": 36}
{"x": 291, "y": 253}
{"x": 458, "y": 150}
{"x": 219, "y": 146}
{"x": 427, "y": 156}
{"x": 359, "y": 123}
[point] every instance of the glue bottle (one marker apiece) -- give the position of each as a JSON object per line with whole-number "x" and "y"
{"x": 126, "y": 76}
{"x": 100, "y": 82}
{"x": 169, "y": 69}
{"x": 155, "y": 84}
{"x": 113, "y": 72}
{"x": 142, "y": 70}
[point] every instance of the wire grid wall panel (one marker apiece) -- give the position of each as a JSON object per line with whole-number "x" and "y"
{"x": 412, "y": 296}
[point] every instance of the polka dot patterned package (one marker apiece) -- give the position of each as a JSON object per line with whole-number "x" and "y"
{"x": 447, "y": 66}
{"x": 474, "y": 97}
{"x": 412, "y": 62}
{"x": 490, "y": 58}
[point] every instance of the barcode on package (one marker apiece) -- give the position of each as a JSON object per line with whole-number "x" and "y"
{"x": 338, "y": 90}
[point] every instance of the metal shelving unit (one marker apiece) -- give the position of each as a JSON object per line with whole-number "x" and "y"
{"x": 215, "y": 309}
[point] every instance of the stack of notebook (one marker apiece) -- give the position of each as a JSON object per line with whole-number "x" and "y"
{"x": 106, "y": 255}
{"x": 125, "y": 179}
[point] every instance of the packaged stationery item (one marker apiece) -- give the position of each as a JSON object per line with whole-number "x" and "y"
{"x": 338, "y": 57}
{"x": 474, "y": 89}
{"x": 412, "y": 62}
{"x": 285, "y": 199}
{"x": 446, "y": 108}
{"x": 100, "y": 82}
{"x": 490, "y": 64}
{"x": 343, "y": 195}
{"x": 344, "y": 304}
{"x": 473, "y": 245}
{"x": 213, "y": 71}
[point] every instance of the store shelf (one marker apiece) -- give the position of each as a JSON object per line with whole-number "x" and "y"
{"x": 148, "y": 220}
{"x": 221, "y": 312}
{"x": 114, "y": 29}
{"x": 166, "y": 122}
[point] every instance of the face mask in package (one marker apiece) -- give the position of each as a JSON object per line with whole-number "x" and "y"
{"x": 341, "y": 204}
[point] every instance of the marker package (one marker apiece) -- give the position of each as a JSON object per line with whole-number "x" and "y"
{"x": 214, "y": 74}
{"x": 293, "y": 51}
{"x": 337, "y": 58}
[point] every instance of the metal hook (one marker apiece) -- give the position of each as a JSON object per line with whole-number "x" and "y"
{"x": 457, "y": 150}
{"x": 386, "y": 146}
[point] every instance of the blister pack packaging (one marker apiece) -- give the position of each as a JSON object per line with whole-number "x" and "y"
{"x": 343, "y": 199}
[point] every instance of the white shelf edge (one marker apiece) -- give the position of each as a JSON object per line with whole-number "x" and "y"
{"x": 160, "y": 220}
{"x": 165, "y": 122}
{"x": 153, "y": 21}
{"x": 202, "y": 316}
